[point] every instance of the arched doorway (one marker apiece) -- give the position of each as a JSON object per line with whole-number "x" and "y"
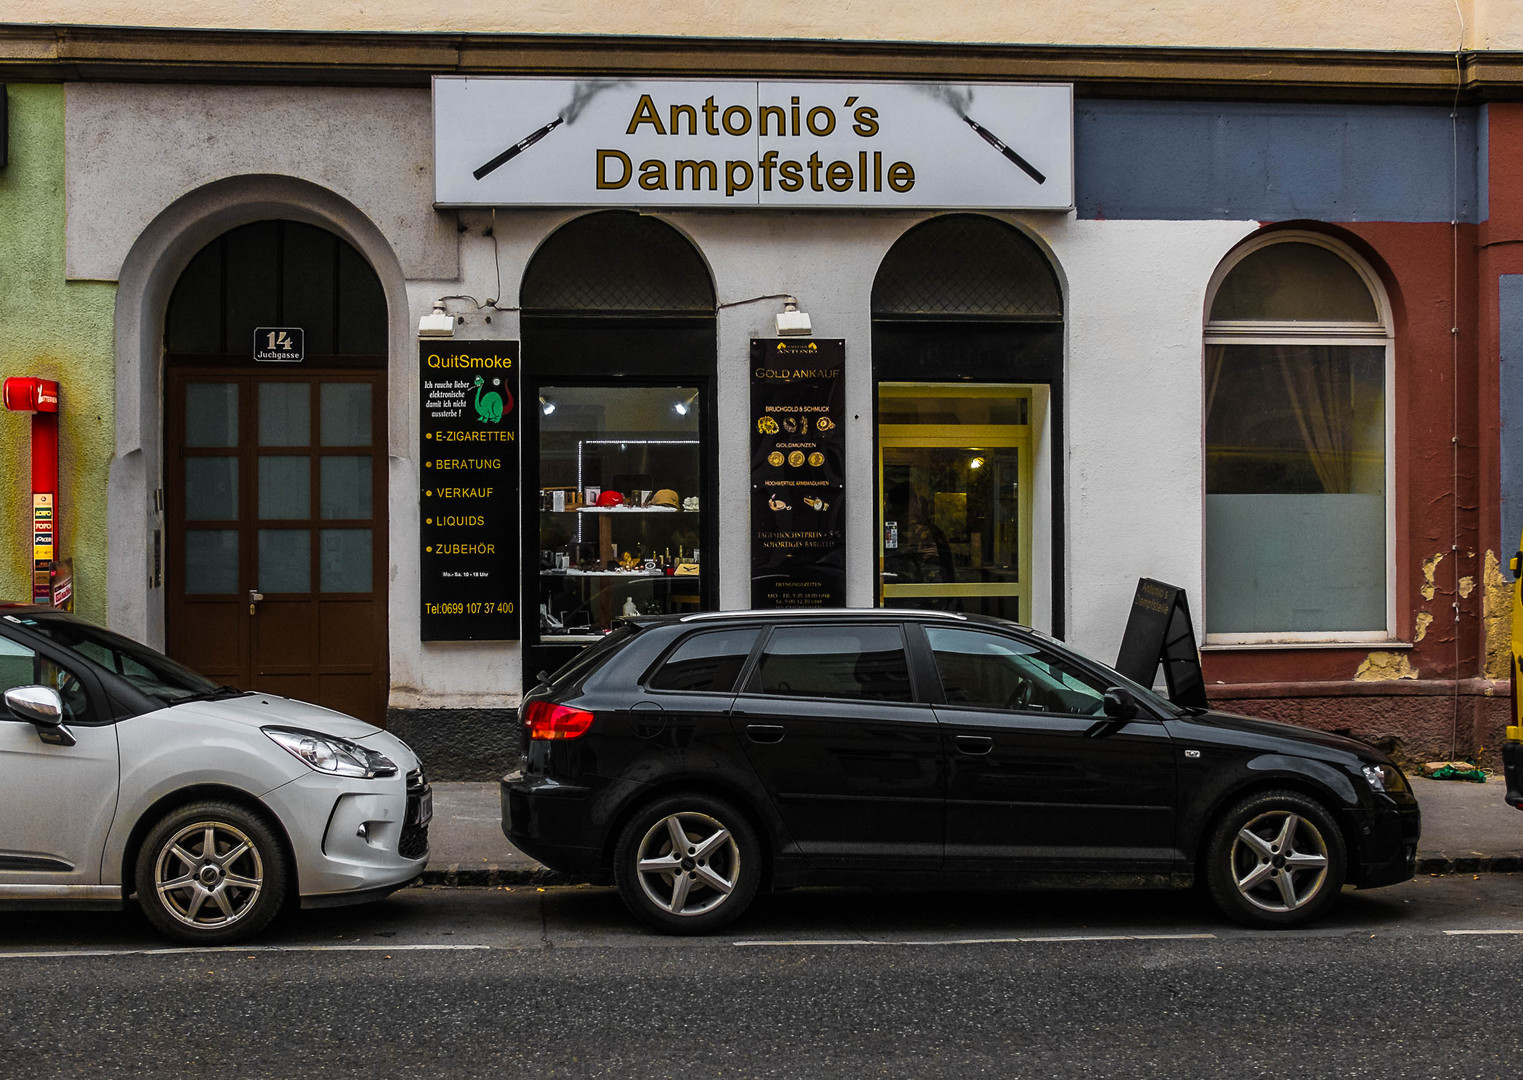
{"x": 275, "y": 470}
{"x": 619, "y": 358}
{"x": 968, "y": 372}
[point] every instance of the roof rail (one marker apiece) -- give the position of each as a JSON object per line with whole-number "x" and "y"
{"x": 832, "y": 613}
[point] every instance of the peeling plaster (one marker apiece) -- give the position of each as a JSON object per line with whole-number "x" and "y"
{"x": 1467, "y": 586}
{"x": 1382, "y": 666}
{"x": 1430, "y": 567}
{"x": 1496, "y": 614}
{"x": 1424, "y": 620}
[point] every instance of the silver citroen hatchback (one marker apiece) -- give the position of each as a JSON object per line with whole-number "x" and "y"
{"x": 124, "y": 773}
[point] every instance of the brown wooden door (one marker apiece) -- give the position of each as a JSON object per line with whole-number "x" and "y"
{"x": 275, "y": 492}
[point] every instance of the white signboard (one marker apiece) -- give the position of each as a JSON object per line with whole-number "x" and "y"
{"x": 716, "y": 143}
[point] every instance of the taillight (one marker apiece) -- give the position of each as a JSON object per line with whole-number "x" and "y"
{"x": 546, "y": 720}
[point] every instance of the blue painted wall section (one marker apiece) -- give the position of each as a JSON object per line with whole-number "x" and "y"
{"x": 1511, "y": 332}
{"x": 1188, "y": 161}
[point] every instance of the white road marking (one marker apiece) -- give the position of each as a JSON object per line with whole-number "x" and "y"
{"x": 232, "y": 950}
{"x": 1477, "y": 933}
{"x": 805, "y": 942}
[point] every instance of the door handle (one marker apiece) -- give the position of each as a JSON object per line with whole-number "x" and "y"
{"x": 974, "y": 744}
{"x": 765, "y": 733}
{"x": 254, "y": 597}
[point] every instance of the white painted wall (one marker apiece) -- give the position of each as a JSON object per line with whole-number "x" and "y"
{"x": 140, "y": 206}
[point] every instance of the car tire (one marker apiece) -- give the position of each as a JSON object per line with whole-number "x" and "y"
{"x": 698, "y": 884}
{"x": 1275, "y": 860}
{"x": 215, "y": 898}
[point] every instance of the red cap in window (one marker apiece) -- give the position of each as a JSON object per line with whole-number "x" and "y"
{"x": 610, "y": 498}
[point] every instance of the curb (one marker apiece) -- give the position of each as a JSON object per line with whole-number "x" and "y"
{"x": 456, "y": 876}
{"x": 1477, "y": 864}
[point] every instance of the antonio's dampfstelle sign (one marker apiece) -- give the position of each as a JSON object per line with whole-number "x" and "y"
{"x": 732, "y": 143}
{"x": 798, "y": 504}
{"x": 468, "y": 490}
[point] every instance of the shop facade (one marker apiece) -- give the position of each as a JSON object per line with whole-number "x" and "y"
{"x": 1250, "y": 349}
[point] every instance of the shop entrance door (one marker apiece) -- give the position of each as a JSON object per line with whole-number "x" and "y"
{"x": 955, "y": 498}
{"x": 276, "y": 550}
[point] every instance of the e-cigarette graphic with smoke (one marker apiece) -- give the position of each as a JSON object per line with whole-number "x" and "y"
{"x": 1020, "y": 162}
{"x": 517, "y": 148}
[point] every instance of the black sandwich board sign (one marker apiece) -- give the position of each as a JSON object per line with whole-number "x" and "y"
{"x": 1159, "y": 631}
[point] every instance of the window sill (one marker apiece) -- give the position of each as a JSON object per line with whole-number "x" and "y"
{"x": 1245, "y": 646}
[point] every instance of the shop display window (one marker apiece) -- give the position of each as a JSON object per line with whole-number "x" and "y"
{"x": 619, "y": 512}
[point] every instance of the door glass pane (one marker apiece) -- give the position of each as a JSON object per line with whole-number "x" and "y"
{"x": 285, "y": 487}
{"x": 864, "y": 662}
{"x": 979, "y": 668}
{"x": 345, "y": 414}
{"x": 211, "y": 561}
{"x": 211, "y": 489}
{"x": 285, "y": 414}
{"x": 956, "y": 497}
{"x": 285, "y": 561}
{"x": 346, "y": 487}
{"x": 211, "y": 414}
{"x": 345, "y": 556}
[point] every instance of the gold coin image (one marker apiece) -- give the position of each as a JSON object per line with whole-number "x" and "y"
{"x": 775, "y": 458}
{"x": 796, "y": 458}
{"x": 816, "y": 459}
{"x": 767, "y": 426}
{"x": 824, "y": 423}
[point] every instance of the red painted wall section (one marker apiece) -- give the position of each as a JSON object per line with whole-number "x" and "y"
{"x": 1430, "y": 274}
{"x": 1501, "y": 252}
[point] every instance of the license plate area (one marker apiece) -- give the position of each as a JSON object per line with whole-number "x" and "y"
{"x": 420, "y": 806}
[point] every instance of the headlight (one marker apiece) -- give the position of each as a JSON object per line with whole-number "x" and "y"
{"x": 1385, "y": 777}
{"x": 328, "y": 754}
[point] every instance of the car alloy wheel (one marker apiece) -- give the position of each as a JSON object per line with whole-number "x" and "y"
{"x": 1279, "y": 861}
{"x": 1275, "y": 860}
{"x": 688, "y": 864}
{"x": 211, "y": 873}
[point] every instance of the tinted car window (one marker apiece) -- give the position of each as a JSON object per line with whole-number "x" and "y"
{"x": 708, "y": 662}
{"x": 20, "y": 666}
{"x": 992, "y": 670}
{"x": 865, "y": 662}
{"x": 151, "y": 672}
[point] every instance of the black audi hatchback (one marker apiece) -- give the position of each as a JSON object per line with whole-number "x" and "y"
{"x": 695, "y": 761}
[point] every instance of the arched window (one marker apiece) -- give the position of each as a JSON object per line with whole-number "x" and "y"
{"x": 1298, "y": 468}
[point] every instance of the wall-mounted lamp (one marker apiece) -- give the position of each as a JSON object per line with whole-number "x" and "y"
{"x": 791, "y": 321}
{"x": 681, "y": 407}
{"x": 546, "y": 406}
{"x": 438, "y": 323}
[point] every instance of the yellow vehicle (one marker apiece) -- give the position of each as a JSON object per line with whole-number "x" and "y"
{"x": 1512, "y": 746}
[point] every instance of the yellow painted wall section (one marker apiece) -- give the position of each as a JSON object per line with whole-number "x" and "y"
{"x": 1425, "y": 25}
{"x": 54, "y": 329}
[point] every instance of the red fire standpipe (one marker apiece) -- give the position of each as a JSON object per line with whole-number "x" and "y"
{"x": 40, "y": 398}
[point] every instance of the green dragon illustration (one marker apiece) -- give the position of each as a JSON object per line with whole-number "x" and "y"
{"x": 488, "y": 408}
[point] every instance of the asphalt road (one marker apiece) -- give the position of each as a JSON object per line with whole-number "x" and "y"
{"x": 1421, "y": 980}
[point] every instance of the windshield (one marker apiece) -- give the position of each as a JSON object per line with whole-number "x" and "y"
{"x": 151, "y": 672}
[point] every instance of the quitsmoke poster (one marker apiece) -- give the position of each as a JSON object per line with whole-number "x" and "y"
{"x": 468, "y": 490}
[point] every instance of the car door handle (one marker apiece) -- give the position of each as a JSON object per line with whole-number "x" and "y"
{"x": 974, "y": 744}
{"x": 765, "y": 733}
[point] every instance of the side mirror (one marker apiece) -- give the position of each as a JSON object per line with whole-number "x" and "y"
{"x": 42, "y": 707}
{"x": 1119, "y": 703}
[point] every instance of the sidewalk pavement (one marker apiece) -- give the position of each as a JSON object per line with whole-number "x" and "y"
{"x": 1467, "y": 829}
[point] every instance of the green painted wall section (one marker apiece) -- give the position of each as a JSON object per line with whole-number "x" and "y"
{"x": 55, "y": 329}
